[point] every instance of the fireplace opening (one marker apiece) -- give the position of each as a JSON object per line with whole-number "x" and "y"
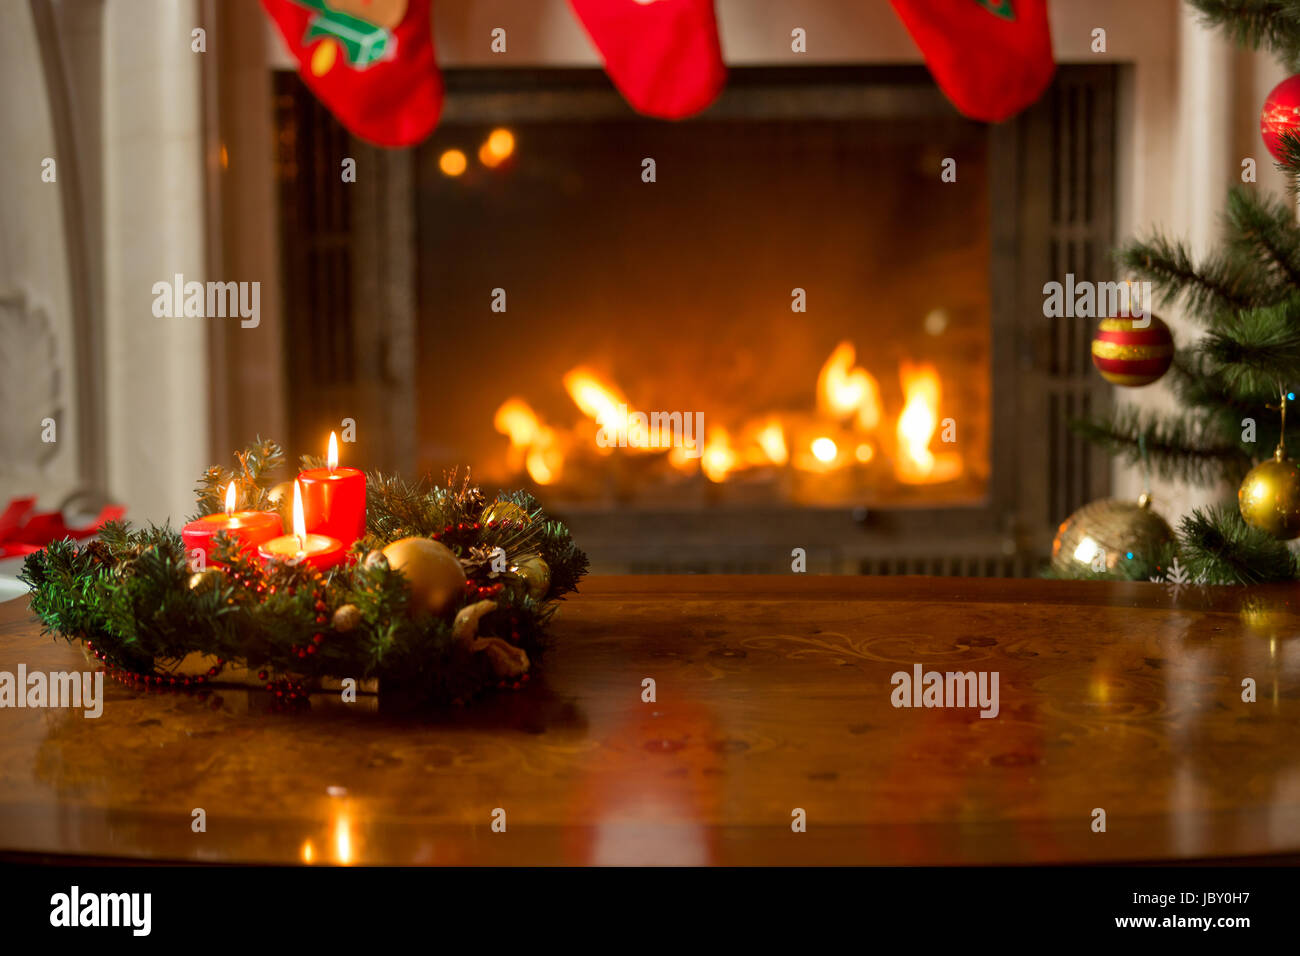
{"x": 798, "y": 282}
{"x": 808, "y": 319}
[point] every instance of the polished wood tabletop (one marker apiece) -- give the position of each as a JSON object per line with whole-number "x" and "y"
{"x": 773, "y": 695}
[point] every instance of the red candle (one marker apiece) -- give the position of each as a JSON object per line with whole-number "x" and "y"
{"x": 334, "y": 498}
{"x": 249, "y": 528}
{"x": 317, "y": 551}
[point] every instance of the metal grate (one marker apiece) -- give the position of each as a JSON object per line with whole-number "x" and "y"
{"x": 1080, "y": 112}
{"x": 316, "y": 220}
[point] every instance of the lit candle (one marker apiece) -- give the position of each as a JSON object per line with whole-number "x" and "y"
{"x": 334, "y": 498}
{"x": 317, "y": 551}
{"x": 249, "y": 528}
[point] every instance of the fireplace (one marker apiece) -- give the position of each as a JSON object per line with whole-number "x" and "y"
{"x": 795, "y": 333}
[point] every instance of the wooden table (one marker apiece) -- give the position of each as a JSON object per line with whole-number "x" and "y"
{"x": 773, "y": 693}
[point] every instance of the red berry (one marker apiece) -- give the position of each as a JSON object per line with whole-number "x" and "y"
{"x": 317, "y": 638}
{"x": 311, "y": 648}
{"x": 261, "y": 675}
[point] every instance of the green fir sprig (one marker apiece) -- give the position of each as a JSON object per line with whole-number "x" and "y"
{"x": 131, "y": 593}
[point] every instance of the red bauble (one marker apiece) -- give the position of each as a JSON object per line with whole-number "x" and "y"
{"x": 1281, "y": 112}
{"x": 1130, "y": 355}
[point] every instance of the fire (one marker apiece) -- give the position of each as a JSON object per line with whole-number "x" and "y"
{"x": 719, "y": 459}
{"x": 771, "y": 442}
{"x": 604, "y": 404}
{"x": 533, "y": 445}
{"x": 845, "y": 432}
{"x": 299, "y": 516}
{"x": 517, "y": 420}
{"x": 231, "y": 500}
{"x": 843, "y": 390}
{"x": 915, "y": 463}
{"x": 545, "y": 460}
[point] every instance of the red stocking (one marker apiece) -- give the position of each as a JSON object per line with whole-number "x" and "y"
{"x": 992, "y": 58}
{"x": 663, "y": 55}
{"x": 371, "y": 62}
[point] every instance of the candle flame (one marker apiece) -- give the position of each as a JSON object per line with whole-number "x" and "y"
{"x": 299, "y": 518}
{"x": 333, "y": 456}
{"x": 231, "y": 499}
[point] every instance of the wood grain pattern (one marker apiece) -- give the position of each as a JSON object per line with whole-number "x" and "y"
{"x": 773, "y": 693}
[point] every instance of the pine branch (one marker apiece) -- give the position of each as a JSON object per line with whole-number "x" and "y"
{"x": 1216, "y": 285}
{"x": 1185, "y": 448}
{"x": 1263, "y": 230}
{"x": 1289, "y": 165}
{"x": 1257, "y": 350}
{"x": 1274, "y": 24}
{"x": 1198, "y": 383}
{"x": 1218, "y": 546}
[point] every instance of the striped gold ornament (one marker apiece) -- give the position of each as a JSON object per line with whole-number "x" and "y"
{"x": 1127, "y": 354}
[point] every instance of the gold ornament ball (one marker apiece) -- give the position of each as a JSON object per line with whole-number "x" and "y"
{"x": 346, "y": 618}
{"x": 536, "y": 575}
{"x": 433, "y": 573}
{"x": 202, "y": 581}
{"x": 500, "y": 511}
{"x": 1269, "y": 497}
{"x": 1111, "y": 527}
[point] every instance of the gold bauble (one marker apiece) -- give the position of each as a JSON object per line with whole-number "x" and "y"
{"x": 1269, "y": 497}
{"x": 435, "y": 577}
{"x": 280, "y": 497}
{"x": 202, "y": 581}
{"x": 1116, "y": 529}
{"x": 536, "y": 575}
{"x": 500, "y": 511}
{"x": 346, "y": 618}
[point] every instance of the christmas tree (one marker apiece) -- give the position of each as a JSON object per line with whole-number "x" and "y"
{"x": 1234, "y": 383}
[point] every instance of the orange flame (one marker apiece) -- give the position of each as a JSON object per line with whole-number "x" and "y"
{"x": 916, "y": 464}
{"x": 843, "y": 389}
{"x": 771, "y": 441}
{"x": 600, "y": 401}
{"x": 231, "y": 499}
{"x": 718, "y": 458}
{"x": 516, "y": 420}
{"x": 299, "y": 517}
{"x": 332, "y": 456}
{"x": 533, "y": 445}
{"x": 545, "y": 460}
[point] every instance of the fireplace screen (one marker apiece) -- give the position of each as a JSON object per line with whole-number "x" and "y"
{"x": 772, "y": 305}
